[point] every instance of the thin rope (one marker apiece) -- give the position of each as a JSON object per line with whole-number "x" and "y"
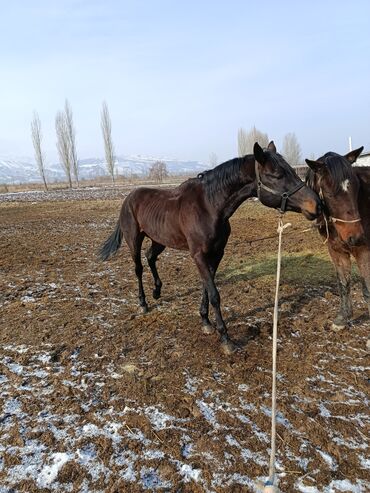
{"x": 270, "y": 484}
{"x": 306, "y": 230}
{"x": 337, "y": 220}
{"x": 327, "y": 230}
{"x": 334, "y": 219}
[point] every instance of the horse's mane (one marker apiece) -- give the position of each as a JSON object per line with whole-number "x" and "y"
{"x": 226, "y": 175}
{"x": 362, "y": 171}
{"x": 339, "y": 170}
{"x": 279, "y": 161}
{"x": 221, "y": 177}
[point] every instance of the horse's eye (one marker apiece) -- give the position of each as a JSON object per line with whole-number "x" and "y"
{"x": 275, "y": 176}
{"x": 329, "y": 195}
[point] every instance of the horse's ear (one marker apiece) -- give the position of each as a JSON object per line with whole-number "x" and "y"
{"x": 271, "y": 147}
{"x": 259, "y": 154}
{"x": 316, "y": 166}
{"x": 353, "y": 155}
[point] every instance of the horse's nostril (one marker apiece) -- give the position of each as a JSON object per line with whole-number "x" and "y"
{"x": 355, "y": 240}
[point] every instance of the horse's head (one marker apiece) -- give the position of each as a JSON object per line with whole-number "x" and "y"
{"x": 279, "y": 186}
{"x": 333, "y": 178}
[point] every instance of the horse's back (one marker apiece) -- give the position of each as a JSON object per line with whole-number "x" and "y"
{"x": 159, "y": 213}
{"x": 146, "y": 198}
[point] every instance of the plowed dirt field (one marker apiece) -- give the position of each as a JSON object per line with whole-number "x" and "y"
{"x": 96, "y": 397}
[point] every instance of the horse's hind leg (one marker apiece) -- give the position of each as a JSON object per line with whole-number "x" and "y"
{"x": 342, "y": 264}
{"x": 362, "y": 256}
{"x": 366, "y": 292}
{"x": 134, "y": 239}
{"x": 152, "y": 254}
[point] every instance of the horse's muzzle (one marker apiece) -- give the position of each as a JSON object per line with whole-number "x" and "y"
{"x": 313, "y": 211}
{"x": 356, "y": 240}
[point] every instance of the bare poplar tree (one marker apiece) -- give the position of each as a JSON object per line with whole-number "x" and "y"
{"x": 158, "y": 171}
{"x": 106, "y": 127}
{"x": 36, "y": 140}
{"x": 246, "y": 140}
{"x": 71, "y": 132}
{"x": 213, "y": 160}
{"x": 291, "y": 149}
{"x": 63, "y": 144}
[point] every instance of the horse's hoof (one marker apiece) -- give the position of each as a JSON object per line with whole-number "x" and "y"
{"x": 156, "y": 294}
{"x": 144, "y": 309}
{"x": 337, "y": 327}
{"x": 228, "y": 347}
{"x": 339, "y": 324}
{"x": 207, "y": 329}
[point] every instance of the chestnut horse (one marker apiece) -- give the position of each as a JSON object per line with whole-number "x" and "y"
{"x": 345, "y": 221}
{"x": 195, "y": 216}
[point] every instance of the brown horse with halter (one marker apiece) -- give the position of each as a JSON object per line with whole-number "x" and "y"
{"x": 345, "y": 221}
{"x": 195, "y": 217}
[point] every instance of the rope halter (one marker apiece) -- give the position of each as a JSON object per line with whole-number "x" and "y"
{"x": 331, "y": 219}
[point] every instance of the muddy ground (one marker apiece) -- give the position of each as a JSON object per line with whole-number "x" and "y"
{"x": 95, "y": 397}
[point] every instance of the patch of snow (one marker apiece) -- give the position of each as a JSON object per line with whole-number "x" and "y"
{"x": 208, "y": 413}
{"x": 332, "y": 463}
{"x": 187, "y": 472}
{"x": 243, "y": 387}
{"x": 49, "y": 473}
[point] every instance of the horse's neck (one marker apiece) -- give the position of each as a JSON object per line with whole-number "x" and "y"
{"x": 364, "y": 198}
{"x": 247, "y": 188}
{"x": 364, "y": 175}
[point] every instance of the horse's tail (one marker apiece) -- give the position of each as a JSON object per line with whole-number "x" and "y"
{"x": 112, "y": 244}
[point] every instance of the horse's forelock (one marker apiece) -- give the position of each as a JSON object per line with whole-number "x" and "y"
{"x": 338, "y": 169}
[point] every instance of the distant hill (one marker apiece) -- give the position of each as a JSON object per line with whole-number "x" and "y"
{"x": 24, "y": 170}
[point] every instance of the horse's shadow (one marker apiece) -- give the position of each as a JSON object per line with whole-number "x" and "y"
{"x": 310, "y": 275}
{"x": 302, "y": 269}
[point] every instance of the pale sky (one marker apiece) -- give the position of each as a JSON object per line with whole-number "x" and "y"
{"x": 180, "y": 77}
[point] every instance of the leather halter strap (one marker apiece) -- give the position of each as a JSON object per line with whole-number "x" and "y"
{"x": 284, "y": 196}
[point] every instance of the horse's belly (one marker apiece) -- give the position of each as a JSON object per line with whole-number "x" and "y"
{"x": 167, "y": 236}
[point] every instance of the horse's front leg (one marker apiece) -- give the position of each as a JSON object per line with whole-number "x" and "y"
{"x": 213, "y": 262}
{"x": 203, "y": 310}
{"x": 362, "y": 256}
{"x": 342, "y": 263}
{"x": 214, "y": 297}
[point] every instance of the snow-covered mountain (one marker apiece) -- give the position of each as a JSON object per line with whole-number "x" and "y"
{"x": 24, "y": 170}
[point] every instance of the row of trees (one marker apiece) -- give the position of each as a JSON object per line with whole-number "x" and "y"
{"x": 66, "y": 143}
{"x": 291, "y": 149}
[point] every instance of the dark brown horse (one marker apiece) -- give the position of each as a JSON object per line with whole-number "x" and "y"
{"x": 345, "y": 222}
{"x": 195, "y": 217}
